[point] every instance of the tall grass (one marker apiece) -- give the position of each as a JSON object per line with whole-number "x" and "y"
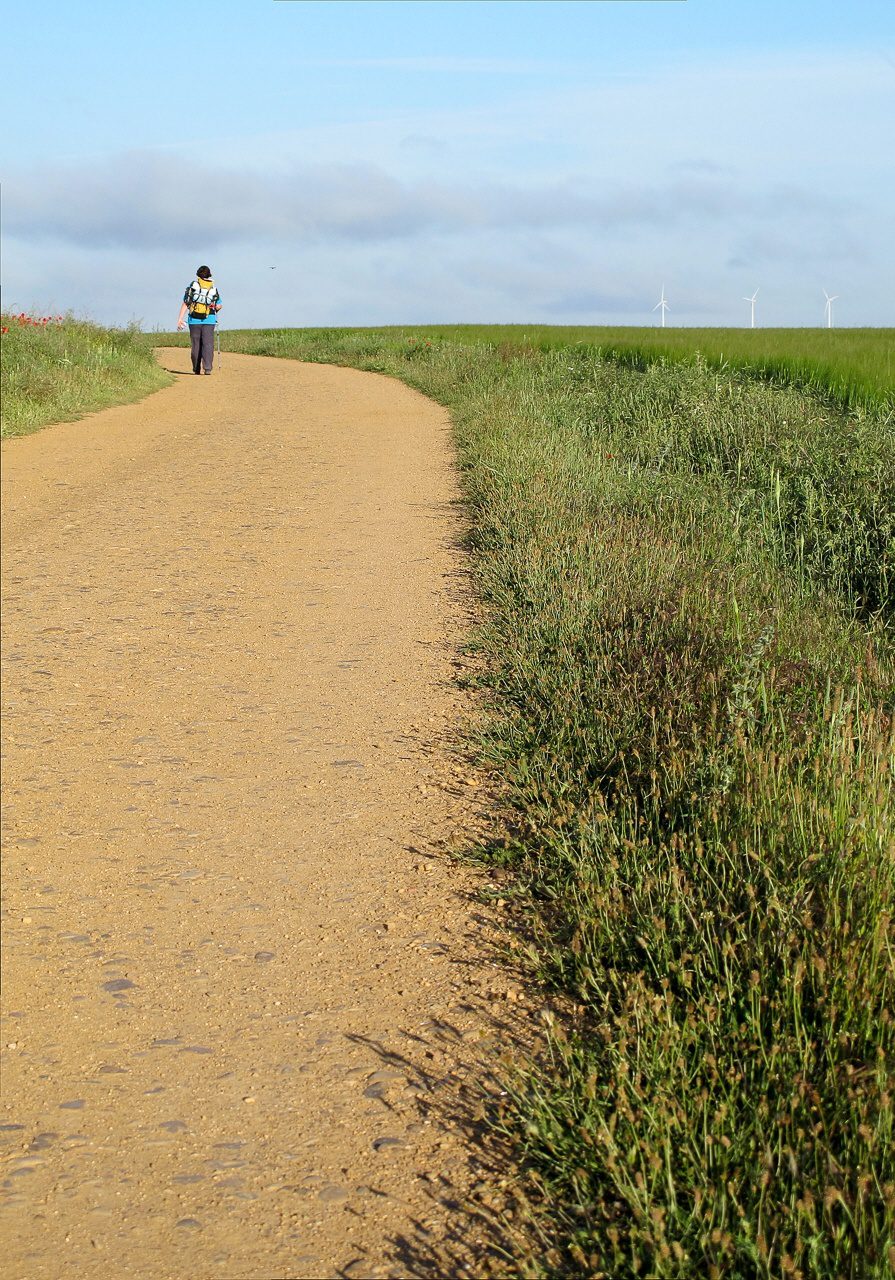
{"x": 854, "y": 368}
{"x": 63, "y": 369}
{"x": 688, "y": 581}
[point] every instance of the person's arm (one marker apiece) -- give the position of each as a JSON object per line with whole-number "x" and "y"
{"x": 180, "y": 318}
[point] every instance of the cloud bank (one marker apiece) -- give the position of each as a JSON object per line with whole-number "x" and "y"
{"x": 142, "y": 201}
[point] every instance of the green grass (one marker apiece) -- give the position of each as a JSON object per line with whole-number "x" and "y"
{"x": 853, "y": 367}
{"x": 63, "y": 370}
{"x": 688, "y": 586}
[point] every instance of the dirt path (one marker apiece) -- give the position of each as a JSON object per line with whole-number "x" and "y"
{"x": 236, "y": 978}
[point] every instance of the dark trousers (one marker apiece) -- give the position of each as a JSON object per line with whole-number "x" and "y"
{"x": 202, "y": 346}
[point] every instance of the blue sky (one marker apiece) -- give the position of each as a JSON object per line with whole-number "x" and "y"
{"x": 452, "y": 162}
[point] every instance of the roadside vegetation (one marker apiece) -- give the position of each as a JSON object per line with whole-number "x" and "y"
{"x": 853, "y": 368}
{"x": 688, "y": 577}
{"x": 57, "y": 368}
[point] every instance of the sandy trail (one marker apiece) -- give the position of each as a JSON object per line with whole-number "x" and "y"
{"x": 236, "y": 979}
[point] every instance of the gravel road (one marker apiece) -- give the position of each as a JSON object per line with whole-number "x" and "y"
{"x": 243, "y": 985}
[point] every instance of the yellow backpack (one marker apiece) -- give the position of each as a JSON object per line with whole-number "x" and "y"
{"x": 202, "y": 299}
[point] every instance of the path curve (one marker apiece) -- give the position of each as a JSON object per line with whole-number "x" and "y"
{"x": 236, "y": 977}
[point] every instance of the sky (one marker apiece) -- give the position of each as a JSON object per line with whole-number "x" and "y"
{"x": 372, "y": 163}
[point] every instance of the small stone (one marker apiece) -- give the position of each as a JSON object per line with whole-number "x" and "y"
{"x": 43, "y": 1140}
{"x": 249, "y": 1099}
{"x": 263, "y": 956}
{"x": 192, "y": 1223}
{"x": 386, "y": 1144}
{"x": 385, "y": 1076}
{"x": 26, "y": 919}
{"x": 360, "y": 1270}
{"x": 332, "y": 1193}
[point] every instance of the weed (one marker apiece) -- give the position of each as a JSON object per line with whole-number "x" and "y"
{"x": 57, "y": 368}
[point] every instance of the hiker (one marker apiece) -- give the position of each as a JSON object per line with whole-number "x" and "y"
{"x": 202, "y": 300}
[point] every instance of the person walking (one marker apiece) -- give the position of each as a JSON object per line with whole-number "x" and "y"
{"x": 201, "y": 302}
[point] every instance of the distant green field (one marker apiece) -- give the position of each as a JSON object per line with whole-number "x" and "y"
{"x": 854, "y": 367}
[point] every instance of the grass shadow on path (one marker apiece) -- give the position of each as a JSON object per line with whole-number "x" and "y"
{"x": 456, "y": 1076}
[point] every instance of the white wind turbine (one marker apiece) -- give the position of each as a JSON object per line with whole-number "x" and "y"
{"x": 752, "y": 300}
{"x": 828, "y": 309}
{"x": 663, "y": 303}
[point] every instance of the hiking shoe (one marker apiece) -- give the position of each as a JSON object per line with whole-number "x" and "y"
{"x": 207, "y": 372}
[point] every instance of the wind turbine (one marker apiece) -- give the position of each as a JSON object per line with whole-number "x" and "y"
{"x": 663, "y": 303}
{"x": 828, "y": 309}
{"x": 752, "y": 300}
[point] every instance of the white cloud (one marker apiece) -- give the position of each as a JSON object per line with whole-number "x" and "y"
{"x": 148, "y": 201}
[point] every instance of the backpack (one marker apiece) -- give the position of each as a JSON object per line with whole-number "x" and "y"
{"x": 201, "y": 299}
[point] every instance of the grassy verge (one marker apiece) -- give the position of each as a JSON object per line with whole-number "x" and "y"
{"x": 689, "y": 587}
{"x": 62, "y": 369}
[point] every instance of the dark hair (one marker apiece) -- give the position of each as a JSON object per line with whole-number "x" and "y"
{"x": 204, "y": 272}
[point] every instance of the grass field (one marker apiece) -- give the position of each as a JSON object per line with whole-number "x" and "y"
{"x": 686, "y": 571}
{"x": 853, "y": 367}
{"x": 57, "y": 368}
